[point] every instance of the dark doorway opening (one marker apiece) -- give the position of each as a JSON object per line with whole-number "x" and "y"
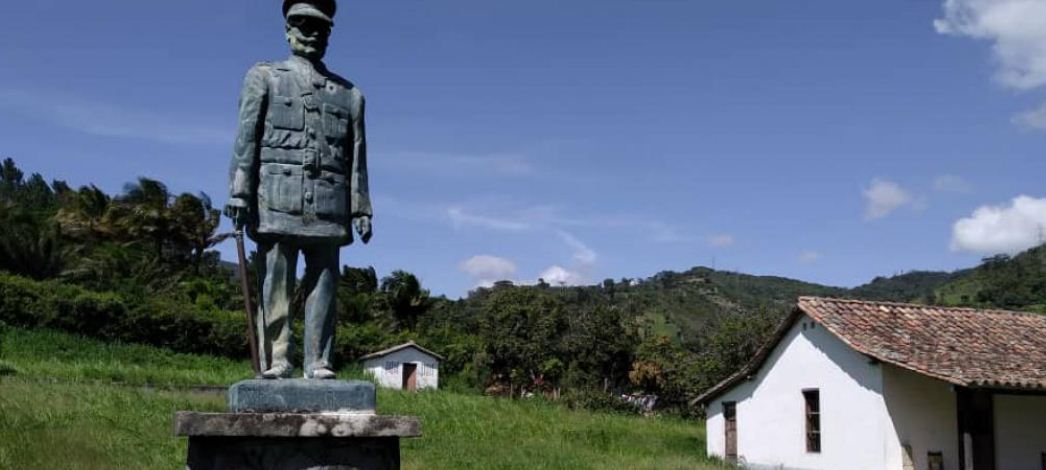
{"x": 730, "y": 417}
{"x": 410, "y": 377}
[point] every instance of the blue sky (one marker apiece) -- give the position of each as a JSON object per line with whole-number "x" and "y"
{"x": 823, "y": 140}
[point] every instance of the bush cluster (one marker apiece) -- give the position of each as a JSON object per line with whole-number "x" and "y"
{"x": 155, "y": 321}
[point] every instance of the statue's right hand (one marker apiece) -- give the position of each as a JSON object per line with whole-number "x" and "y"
{"x": 237, "y": 210}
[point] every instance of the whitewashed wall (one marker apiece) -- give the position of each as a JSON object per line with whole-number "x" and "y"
{"x": 771, "y": 409}
{"x": 923, "y": 413}
{"x": 1020, "y": 431}
{"x": 388, "y": 369}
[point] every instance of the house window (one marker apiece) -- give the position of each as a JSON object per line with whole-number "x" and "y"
{"x": 813, "y": 420}
{"x": 935, "y": 461}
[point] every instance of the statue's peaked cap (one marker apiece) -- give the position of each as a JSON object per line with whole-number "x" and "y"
{"x": 324, "y": 9}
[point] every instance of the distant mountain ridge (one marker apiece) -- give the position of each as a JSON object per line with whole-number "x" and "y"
{"x": 682, "y": 303}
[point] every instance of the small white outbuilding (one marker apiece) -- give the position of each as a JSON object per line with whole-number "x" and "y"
{"x": 404, "y": 367}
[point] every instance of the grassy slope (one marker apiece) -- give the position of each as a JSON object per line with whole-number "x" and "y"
{"x": 46, "y": 354}
{"x": 61, "y": 409}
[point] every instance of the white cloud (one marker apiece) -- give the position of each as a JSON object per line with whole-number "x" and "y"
{"x": 582, "y": 253}
{"x": 1002, "y": 229}
{"x": 109, "y": 120}
{"x": 560, "y": 276}
{"x": 883, "y": 197}
{"x": 550, "y": 217}
{"x": 1033, "y": 119}
{"x": 951, "y": 184}
{"x": 488, "y": 267}
{"x": 1016, "y": 29}
{"x": 721, "y": 241}
{"x": 809, "y": 257}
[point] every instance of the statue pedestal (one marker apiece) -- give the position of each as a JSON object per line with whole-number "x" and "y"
{"x": 323, "y": 425}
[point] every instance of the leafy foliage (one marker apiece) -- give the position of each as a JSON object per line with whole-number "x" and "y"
{"x": 139, "y": 267}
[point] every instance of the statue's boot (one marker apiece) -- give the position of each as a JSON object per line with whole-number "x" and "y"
{"x": 281, "y": 370}
{"x": 322, "y": 373}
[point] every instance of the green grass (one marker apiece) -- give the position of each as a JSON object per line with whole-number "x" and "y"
{"x": 49, "y": 354}
{"x": 91, "y": 426}
{"x": 77, "y": 403}
{"x": 464, "y": 431}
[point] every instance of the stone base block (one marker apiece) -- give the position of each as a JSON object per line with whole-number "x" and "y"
{"x": 301, "y": 396}
{"x": 261, "y": 453}
{"x": 283, "y": 441}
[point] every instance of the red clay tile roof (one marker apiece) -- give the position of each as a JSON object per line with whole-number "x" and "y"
{"x": 964, "y": 346}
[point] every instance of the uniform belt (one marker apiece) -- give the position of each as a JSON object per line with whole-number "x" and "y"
{"x": 309, "y": 159}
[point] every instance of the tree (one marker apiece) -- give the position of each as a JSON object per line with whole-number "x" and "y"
{"x": 29, "y": 246}
{"x": 142, "y": 213}
{"x": 729, "y": 342}
{"x": 29, "y": 242}
{"x": 10, "y": 179}
{"x": 404, "y": 297}
{"x": 598, "y": 347}
{"x": 194, "y": 220}
{"x": 521, "y": 330}
{"x": 356, "y": 291}
{"x": 665, "y": 369}
{"x": 359, "y": 280}
{"x": 82, "y": 214}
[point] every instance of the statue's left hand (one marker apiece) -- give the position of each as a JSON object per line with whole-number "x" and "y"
{"x": 363, "y": 228}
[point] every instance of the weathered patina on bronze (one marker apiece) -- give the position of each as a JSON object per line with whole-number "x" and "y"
{"x": 298, "y": 183}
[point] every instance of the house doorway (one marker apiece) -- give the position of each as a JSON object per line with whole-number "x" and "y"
{"x": 730, "y": 418}
{"x": 410, "y": 376}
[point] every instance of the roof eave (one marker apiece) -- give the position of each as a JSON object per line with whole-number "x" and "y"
{"x": 753, "y": 366}
{"x": 409, "y": 344}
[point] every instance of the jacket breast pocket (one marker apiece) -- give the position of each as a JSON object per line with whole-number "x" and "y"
{"x": 286, "y": 112}
{"x": 332, "y": 197}
{"x": 281, "y": 188}
{"x": 335, "y": 122}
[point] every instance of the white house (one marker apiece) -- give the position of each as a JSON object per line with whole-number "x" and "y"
{"x": 407, "y": 366}
{"x": 849, "y": 384}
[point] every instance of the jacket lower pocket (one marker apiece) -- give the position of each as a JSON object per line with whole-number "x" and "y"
{"x": 280, "y": 188}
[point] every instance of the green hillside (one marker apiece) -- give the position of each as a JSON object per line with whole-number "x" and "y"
{"x": 915, "y": 286}
{"x": 1017, "y": 283}
{"x": 688, "y": 303}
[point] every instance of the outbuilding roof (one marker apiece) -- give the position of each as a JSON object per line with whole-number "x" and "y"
{"x": 968, "y": 347}
{"x": 409, "y": 344}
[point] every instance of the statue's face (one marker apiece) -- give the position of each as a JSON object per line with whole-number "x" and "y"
{"x": 308, "y": 36}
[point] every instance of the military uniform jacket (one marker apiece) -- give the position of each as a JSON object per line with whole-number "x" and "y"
{"x": 300, "y": 159}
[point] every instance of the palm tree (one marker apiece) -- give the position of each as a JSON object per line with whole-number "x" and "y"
{"x": 405, "y": 297}
{"x": 82, "y": 213}
{"x": 194, "y": 221}
{"x": 356, "y": 293}
{"x": 142, "y": 213}
{"x": 29, "y": 246}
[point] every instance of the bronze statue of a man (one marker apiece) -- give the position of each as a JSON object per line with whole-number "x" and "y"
{"x": 298, "y": 183}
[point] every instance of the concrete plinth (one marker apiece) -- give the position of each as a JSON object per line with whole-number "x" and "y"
{"x": 212, "y": 453}
{"x": 301, "y": 396}
{"x": 278, "y": 441}
{"x": 296, "y": 424}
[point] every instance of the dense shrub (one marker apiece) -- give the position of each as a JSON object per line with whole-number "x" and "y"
{"x": 155, "y": 321}
{"x": 589, "y": 399}
{"x": 158, "y": 321}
